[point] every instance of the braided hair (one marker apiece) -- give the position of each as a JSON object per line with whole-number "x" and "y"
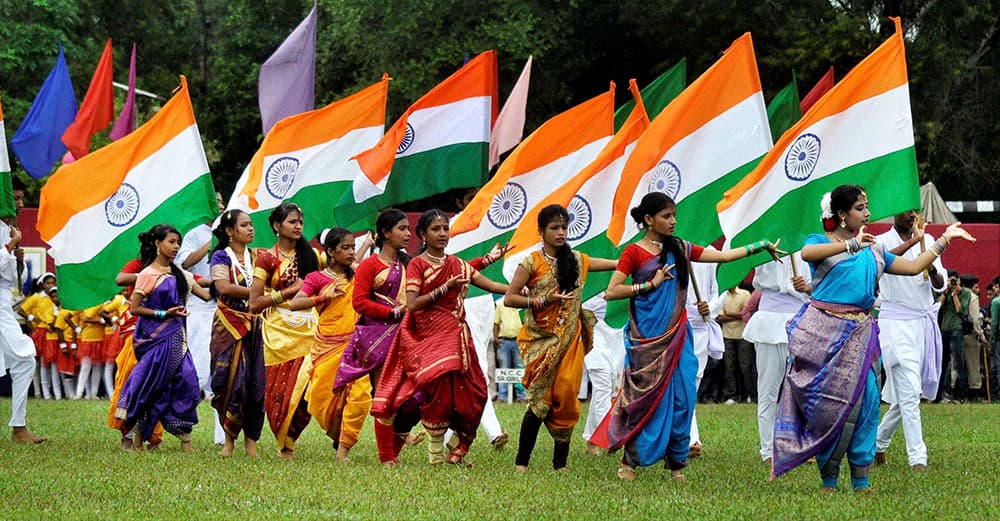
{"x": 567, "y": 269}
{"x": 148, "y": 252}
{"x": 650, "y": 205}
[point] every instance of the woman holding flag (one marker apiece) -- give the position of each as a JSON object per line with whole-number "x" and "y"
{"x": 652, "y": 416}
{"x": 556, "y": 334}
{"x": 287, "y": 334}
{"x": 829, "y": 400}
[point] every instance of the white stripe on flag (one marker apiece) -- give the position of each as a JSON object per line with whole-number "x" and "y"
{"x": 463, "y": 121}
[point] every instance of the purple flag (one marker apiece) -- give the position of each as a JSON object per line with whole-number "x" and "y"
{"x": 126, "y": 119}
{"x": 37, "y": 142}
{"x": 287, "y": 78}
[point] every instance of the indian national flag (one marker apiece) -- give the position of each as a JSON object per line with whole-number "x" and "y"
{"x": 544, "y": 161}
{"x": 7, "y": 206}
{"x": 701, "y": 145}
{"x": 157, "y": 174}
{"x": 306, "y": 159}
{"x": 860, "y": 132}
{"x": 441, "y": 142}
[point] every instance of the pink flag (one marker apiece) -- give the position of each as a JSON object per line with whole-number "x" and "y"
{"x": 126, "y": 119}
{"x": 509, "y": 127}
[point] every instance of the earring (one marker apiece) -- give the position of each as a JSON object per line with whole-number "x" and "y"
{"x": 843, "y": 223}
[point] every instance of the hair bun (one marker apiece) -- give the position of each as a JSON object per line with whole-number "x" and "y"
{"x": 636, "y": 214}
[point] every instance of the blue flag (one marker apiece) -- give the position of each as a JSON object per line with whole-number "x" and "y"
{"x": 38, "y": 141}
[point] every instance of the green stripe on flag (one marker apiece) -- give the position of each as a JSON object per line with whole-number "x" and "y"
{"x": 494, "y": 271}
{"x": 317, "y": 203}
{"x": 890, "y": 181}
{"x": 784, "y": 110}
{"x": 414, "y": 177}
{"x": 658, "y": 94}
{"x": 697, "y": 221}
{"x": 597, "y": 282}
{"x": 89, "y": 283}
{"x": 8, "y": 209}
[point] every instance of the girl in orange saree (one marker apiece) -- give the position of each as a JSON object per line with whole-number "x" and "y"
{"x": 556, "y": 334}
{"x": 341, "y": 413}
{"x": 432, "y": 362}
{"x": 287, "y": 334}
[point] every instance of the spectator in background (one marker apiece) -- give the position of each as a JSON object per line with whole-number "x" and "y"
{"x": 994, "y": 358}
{"x": 954, "y": 305}
{"x": 973, "y": 340}
{"x": 740, "y": 381}
{"x": 506, "y": 325}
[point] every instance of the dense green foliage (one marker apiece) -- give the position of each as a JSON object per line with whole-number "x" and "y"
{"x": 81, "y": 474}
{"x": 578, "y": 45}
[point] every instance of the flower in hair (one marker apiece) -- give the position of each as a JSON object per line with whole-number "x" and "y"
{"x": 824, "y": 205}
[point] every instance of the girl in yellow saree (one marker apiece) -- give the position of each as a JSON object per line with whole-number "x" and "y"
{"x": 341, "y": 413}
{"x": 287, "y": 334}
{"x": 556, "y": 334}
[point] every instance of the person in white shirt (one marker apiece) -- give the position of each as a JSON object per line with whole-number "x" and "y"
{"x": 193, "y": 257}
{"x": 707, "y": 333}
{"x": 17, "y": 351}
{"x": 910, "y": 340}
{"x": 782, "y": 295}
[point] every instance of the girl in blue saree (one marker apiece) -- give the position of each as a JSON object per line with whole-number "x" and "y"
{"x": 828, "y": 407}
{"x": 652, "y": 415}
{"x": 163, "y": 387}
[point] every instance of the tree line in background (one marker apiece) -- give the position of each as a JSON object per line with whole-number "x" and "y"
{"x": 578, "y": 46}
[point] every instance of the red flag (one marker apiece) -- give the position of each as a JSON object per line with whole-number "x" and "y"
{"x": 97, "y": 110}
{"x": 824, "y": 84}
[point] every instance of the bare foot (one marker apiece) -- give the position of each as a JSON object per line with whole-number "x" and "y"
{"x": 186, "y": 447}
{"x": 342, "y": 452}
{"x": 126, "y": 443}
{"x": 501, "y": 440}
{"x": 286, "y": 454}
{"x": 23, "y": 435}
{"x": 227, "y": 449}
{"x": 626, "y": 473}
{"x": 520, "y": 469}
{"x": 414, "y": 439}
{"x": 390, "y": 463}
{"x": 677, "y": 476}
{"x": 138, "y": 445}
{"x": 250, "y": 447}
{"x": 828, "y": 490}
{"x": 594, "y": 450}
{"x": 695, "y": 451}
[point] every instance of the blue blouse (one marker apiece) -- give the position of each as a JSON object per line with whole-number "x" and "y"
{"x": 851, "y": 281}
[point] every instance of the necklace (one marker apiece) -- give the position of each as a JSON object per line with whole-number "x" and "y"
{"x": 658, "y": 244}
{"x": 245, "y": 268}
{"x": 164, "y": 269}
{"x": 283, "y": 254}
{"x": 437, "y": 260}
{"x": 330, "y": 273}
{"x": 548, "y": 257}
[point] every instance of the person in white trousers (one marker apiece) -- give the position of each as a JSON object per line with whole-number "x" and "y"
{"x": 193, "y": 256}
{"x": 910, "y": 340}
{"x": 779, "y": 302}
{"x": 603, "y": 367}
{"x": 707, "y": 333}
{"x": 17, "y": 351}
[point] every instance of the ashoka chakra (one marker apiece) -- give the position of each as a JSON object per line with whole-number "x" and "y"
{"x": 666, "y": 178}
{"x": 122, "y": 207}
{"x": 280, "y": 176}
{"x": 580, "y": 217}
{"x": 407, "y": 140}
{"x": 508, "y": 206}
{"x": 802, "y": 156}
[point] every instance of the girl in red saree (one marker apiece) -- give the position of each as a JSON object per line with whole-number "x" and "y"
{"x": 340, "y": 413}
{"x": 432, "y": 362}
{"x": 556, "y": 334}
{"x": 287, "y": 334}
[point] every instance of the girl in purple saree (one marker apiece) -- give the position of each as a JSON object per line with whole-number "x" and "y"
{"x": 828, "y": 407}
{"x": 163, "y": 387}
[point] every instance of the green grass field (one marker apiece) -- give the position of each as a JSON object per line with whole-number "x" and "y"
{"x": 81, "y": 473}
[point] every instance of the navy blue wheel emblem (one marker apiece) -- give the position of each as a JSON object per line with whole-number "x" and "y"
{"x": 580, "y": 217}
{"x": 280, "y": 176}
{"x": 123, "y": 206}
{"x": 508, "y": 206}
{"x": 666, "y": 178}
{"x": 802, "y": 157}
{"x": 407, "y": 140}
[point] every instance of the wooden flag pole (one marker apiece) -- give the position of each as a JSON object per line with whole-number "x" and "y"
{"x": 697, "y": 292}
{"x": 923, "y": 247}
